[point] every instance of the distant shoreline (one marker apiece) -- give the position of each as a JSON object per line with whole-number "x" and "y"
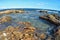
{"x": 27, "y": 9}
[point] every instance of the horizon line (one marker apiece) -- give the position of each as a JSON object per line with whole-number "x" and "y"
{"x": 29, "y": 8}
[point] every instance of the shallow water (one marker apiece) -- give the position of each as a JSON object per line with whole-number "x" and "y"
{"x": 28, "y": 16}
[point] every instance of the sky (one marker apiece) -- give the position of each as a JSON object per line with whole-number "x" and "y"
{"x": 40, "y": 4}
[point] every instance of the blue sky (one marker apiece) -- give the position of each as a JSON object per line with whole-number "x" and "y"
{"x": 45, "y": 4}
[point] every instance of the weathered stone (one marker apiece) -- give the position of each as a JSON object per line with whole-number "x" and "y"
{"x": 51, "y": 19}
{"x": 5, "y": 19}
{"x": 11, "y": 11}
{"x": 42, "y": 36}
{"x": 10, "y": 29}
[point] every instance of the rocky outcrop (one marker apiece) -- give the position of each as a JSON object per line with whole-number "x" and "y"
{"x": 11, "y": 11}
{"x": 51, "y": 19}
{"x": 54, "y": 31}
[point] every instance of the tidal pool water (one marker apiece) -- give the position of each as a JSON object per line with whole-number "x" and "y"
{"x": 27, "y": 16}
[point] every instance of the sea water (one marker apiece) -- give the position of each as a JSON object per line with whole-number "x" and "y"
{"x": 28, "y": 16}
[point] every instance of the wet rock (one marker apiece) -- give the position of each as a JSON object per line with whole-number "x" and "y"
{"x": 58, "y": 32}
{"x": 43, "y": 36}
{"x": 10, "y": 29}
{"x": 15, "y": 33}
{"x": 52, "y": 19}
{"x": 27, "y": 24}
{"x": 6, "y": 12}
{"x": 18, "y": 34}
{"x": 29, "y": 29}
{"x": 5, "y": 19}
{"x": 56, "y": 16}
{"x": 43, "y": 11}
{"x": 11, "y": 11}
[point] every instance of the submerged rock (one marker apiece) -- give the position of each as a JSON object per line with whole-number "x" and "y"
{"x": 42, "y": 36}
{"x": 27, "y": 24}
{"x": 18, "y": 33}
{"x": 5, "y": 19}
{"x": 43, "y": 11}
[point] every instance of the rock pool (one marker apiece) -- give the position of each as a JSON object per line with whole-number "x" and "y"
{"x": 29, "y": 16}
